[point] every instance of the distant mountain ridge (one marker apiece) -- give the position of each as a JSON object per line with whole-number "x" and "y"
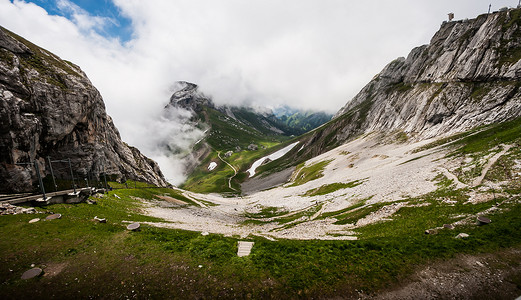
{"x": 241, "y": 131}
{"x": 301, "y": 121}
{"x": 247, "y": 121}
{"x": 227, "y": 127}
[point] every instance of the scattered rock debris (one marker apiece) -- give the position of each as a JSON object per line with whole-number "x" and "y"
{"x": 483, "y": 220}
{"x": 448, "y": 226}
{"x": 9, "y": 209}
{"x": 134, "y": 227}
{"x": 462, "y": 236}
{"x": 53, "y": 217}
{"x": 100, "y": 220}
{"x": 34, "y": 272}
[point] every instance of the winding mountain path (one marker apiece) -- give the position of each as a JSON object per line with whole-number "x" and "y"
{"x": 491, "y": 162}
{"x": 454, "y": 178}
{"x": 187, "y": 195}
{"x": 233, "y": 168}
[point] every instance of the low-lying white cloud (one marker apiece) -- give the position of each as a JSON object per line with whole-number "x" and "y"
{"x": 80, "y": 17}
{"x": 302, "y": 53}
{"x": 169, "y": 137}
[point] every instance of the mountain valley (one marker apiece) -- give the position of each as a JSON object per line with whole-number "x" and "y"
{"x": 239, "y": 134}
{"x": 412, "y": 190}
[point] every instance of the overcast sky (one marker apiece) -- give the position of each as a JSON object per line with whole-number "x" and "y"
{"x": 311, "y": 54}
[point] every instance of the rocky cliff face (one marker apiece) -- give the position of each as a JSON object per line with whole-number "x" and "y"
{"x": 469, "y": 75}
{"x": 49, "y": 108}
{"x": 188, "y": 96}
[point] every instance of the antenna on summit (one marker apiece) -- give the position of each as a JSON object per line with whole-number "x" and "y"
{"x": 489, "y": 6}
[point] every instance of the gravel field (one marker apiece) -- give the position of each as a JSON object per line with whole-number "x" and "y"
{"x": 390, "y": 172}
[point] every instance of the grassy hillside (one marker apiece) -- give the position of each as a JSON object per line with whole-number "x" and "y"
{"x": 302, "y": 122}
{"x": 234, "y": 129}
{"x": 267, "y": 124}
{"x": 315, "y": 142}
{"x": 228, "y": 134}
{"x": 85, "y": 259}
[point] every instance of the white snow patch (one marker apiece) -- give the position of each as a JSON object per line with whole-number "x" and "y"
{"x": 212, "y": 166}
{"x": 273, "y": 156}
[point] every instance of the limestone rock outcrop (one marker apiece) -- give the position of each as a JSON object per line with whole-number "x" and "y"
{"x": 188, "y": 96}
{"x": 49, "y": 108}
{"x": 469, "y": 75}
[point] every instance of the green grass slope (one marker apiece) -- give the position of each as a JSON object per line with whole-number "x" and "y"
{"x": 235, "y": 132}
{"x": 85, "y": 259}
{"x": 226, "y": 134}
{"x": 302, "y": 122}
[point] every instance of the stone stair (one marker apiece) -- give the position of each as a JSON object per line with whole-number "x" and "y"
{"x": 244, "y": 248}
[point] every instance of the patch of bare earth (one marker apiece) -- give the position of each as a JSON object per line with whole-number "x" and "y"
{"x": 172, "y": 200}
{"x": 53, "y": 269}
{"x": 483, "y": 276}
